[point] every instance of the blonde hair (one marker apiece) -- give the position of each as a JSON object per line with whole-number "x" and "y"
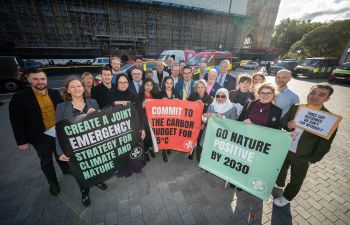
{"x": 267, "y": 86}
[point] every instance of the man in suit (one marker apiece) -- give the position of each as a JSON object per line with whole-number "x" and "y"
{"x": 32, "y": 112}
{"x": 136, "y": 81}
{"x": 159, "y": 74}
{"x": 212, "y": 85}
{"x": 175, "y": 71}
{"x": 115, "y": 64}
{"x": 307, "y": 147}
{"x": 138, "y": 65}
{"x": 224, "y": 78}
{"x": 201, "y": 74}
{"x": 186, "y": 86}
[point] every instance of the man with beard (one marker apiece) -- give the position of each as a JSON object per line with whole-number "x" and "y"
{"x": 32, "y": 112}
{"x": 104, "y": 93}
{"x": 115, "y": 64}
{"x": 285, "y": 98}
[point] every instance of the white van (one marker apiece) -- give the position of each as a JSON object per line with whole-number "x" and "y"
{"x": 101, "y": 61}
{"x": 178, "y": 55}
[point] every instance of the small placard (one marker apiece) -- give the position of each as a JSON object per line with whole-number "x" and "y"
{"x": 318, "y": 122}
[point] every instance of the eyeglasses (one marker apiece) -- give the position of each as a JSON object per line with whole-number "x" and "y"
{"x": 265, "y": 93}
{"x": 220, "y": 96}
{"x": 123, "y": 82}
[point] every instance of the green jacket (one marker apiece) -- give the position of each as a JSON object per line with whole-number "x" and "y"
{"x": 310, "y": 147}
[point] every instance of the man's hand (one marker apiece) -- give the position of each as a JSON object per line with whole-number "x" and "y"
{"x": 207, "y": 115}
{"x": 121, "y": 102}
{"x": 91, "y": 110}
{"x": 309, "y": 163}
{"x": 292, "y": 125}
{"x": 24, "y": 148}
{"x": 63, "y": 157}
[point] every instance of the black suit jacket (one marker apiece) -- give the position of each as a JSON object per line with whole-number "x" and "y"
{"x": 214, "y": 89}
{"x": 25, "y": 116}
{"x": 230, "y": 82}
{"x": 273, "y": 120}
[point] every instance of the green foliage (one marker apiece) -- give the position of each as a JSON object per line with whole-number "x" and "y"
{"x": 290, "y": 31}
{"x": 327, "y": 40}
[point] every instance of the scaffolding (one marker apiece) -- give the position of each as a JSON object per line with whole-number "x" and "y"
{"x": 95, "y": 27}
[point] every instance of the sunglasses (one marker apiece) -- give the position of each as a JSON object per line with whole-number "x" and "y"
{"x": 220, "y": 96}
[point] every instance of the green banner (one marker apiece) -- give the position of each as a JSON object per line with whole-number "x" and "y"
{"x": 247, "y": 155}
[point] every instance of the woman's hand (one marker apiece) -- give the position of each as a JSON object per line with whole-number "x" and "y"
{"x": 143, "y": 104}
{"x": 247, "y": 121}
{"x": 206, "y": 115}
{"x": 143, "y": 134}
{"x": 292, "y": 125}
{"x": 91, "y": 110}
{"x": 219, "y": 115}
{"x": 202, "y": 126}
{"x": 63, "y": 157}
{"x": 121, "y": 102}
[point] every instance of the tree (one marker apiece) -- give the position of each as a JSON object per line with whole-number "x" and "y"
{"x": 328, "y": 40}
{"x": 290, "y": 31}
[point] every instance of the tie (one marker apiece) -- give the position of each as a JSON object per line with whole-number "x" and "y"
{"x": 138, "y": 87}
{"x": 184, "y": 96}
{"x": 220, "y": 78}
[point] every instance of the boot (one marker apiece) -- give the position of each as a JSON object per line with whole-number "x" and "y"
{"x": 198, "y": 153}
{"x": 165, "y": 157}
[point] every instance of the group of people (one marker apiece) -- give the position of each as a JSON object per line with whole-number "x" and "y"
{"x": 244, "y": 98}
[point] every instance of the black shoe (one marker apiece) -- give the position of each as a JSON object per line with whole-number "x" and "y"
{"x": 85, "y": 198}
{"x": 232, "y": 186}
{"x": 151, "y": 152}
{"x": 168, "y": 151}
{"x": 102, "y": 186}
{"x": 190, "y": 156}
{"x": 165, "y": 157}
{"x": 55, "y": 189}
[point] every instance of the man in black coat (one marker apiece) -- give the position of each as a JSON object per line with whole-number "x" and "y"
{"x": 224, "y": 78}
{"x": 32, "y": 112}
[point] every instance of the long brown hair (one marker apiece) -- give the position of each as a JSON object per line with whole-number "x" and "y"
{"x": 67, "y": 96}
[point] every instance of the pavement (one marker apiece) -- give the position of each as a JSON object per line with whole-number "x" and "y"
{"x": 177, "y": 192}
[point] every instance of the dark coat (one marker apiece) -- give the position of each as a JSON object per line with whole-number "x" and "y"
{"x": 207, "y": 99}
{"x": 230, "y": 82}
{"x": 196, "y": 76}
{"x": 215, "y": 88}
{"x": 273, "y": 120}
{"x": 25, "y": 116}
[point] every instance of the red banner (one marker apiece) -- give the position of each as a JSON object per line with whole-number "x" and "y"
{"x": 175, "y": 124}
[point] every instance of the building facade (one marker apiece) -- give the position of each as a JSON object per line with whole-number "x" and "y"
{"x": 91, "y": 28}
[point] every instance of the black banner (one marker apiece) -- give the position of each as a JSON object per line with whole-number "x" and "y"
{"x": 101, "y": 143}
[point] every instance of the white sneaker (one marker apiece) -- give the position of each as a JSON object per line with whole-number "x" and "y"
{"x": 281, "y": 201}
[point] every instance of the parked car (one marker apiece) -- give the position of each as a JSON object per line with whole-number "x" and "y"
{"x": 30, "y": 64}
{"x": 320, "y": 67}
{"x": 11, "y": 74}
{"x": 242, "y": 63}
{"x": 283, "y": 64}
{"x": 341, "y": 73}
{"x": 252, "y": 66}
{"x": 101, "y": 61}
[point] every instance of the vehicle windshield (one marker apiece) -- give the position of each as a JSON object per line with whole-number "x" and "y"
{"x": 195, "y": 60}
{"x": 310, "y": 62}
{"x": 163, "y": 57}
{"x": 282, "y": 63}
{"x": 345, "y": 66}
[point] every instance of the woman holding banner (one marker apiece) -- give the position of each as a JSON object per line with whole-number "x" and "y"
{"x": 221, "y": 107}
{"x": 125, "y": 96}
{"x": 167, "y": 92}
{"x": 76, "y": 103}
{"x": 264, "y": 113}
{"x": 202, "y": 96}
{"x": 148, "y": 90}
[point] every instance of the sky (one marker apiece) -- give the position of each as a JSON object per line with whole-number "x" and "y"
{"x": 316, "y": 10}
